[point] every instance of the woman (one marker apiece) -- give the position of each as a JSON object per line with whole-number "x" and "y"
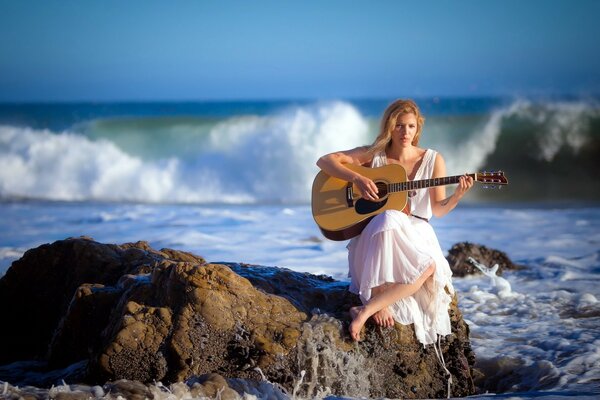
{"x": 396, "y": 264}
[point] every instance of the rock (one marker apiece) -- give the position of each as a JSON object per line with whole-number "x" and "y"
{"x": 310, "y": 293}
{"x": 459, "y": 253}
{"x": 185, "y": 320}
{"x": 36, "y": 291}
{"x": 134, "y": 314}
{"x": 77, "y": 331}
{"x": 128, "y": 390}
{"x": 211, "y": 386}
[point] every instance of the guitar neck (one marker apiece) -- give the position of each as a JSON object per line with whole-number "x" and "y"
{"x": 426, "y": 183}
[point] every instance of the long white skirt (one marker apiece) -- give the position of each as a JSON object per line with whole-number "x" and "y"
{"x": 396, "y": 248}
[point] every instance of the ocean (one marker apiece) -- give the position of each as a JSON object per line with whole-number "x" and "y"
{"x": 231, "y": 181}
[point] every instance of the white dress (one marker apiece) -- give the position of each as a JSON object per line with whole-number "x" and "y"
{"x": 397, "y": 248}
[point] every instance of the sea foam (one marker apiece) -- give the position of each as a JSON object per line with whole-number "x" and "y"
{"x": 270, "y": 158}
{"x": 245, "y": 160}
{"x": 550, "y": 127}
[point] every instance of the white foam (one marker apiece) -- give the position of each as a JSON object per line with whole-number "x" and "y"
{"x": 7, "y": 256}
{"x": 559, "y": 124}
{"x": 588, "y": 299}
{"x": 537, "y": 338}
{"x": 501, "y": 286}
{"x": 566, "y": 126}
{"x": 469, "y": 156}
{"x": 324, "y": 365}
{"x": 66, "y": 166}
{"x": 246, "y": 159}
{"x": 274, "y": 157}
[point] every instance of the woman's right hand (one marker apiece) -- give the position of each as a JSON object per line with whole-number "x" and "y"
{"x": 368, "y": 189}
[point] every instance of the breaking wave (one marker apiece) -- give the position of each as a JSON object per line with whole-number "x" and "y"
{"x": 241, "y": 159}
{"x": 250, "y": 158}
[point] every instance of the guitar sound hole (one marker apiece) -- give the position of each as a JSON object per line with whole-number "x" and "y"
{"x": 363, "y": 206}
{"x": 382, "y": 187}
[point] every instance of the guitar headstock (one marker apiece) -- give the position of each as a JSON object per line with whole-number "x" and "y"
{"x": 491, "y": 179}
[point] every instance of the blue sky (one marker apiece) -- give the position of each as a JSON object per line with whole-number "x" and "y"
{"x": 202, "y": 50}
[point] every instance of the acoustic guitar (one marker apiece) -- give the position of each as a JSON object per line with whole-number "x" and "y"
{"x": 341, "y": 213}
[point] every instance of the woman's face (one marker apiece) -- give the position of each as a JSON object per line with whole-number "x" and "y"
{"x": 405, "y": 129}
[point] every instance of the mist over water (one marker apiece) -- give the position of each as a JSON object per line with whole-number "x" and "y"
{"x": 268, "y": 154}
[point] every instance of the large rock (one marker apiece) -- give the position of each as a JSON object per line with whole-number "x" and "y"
{"x": 37, "y": 290}
{"x": 145, "y": 315}
{"x": 458, "y": 258}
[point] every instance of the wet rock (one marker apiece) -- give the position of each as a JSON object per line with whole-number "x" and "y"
{"x": 133, "y": 314}
{"x": 37, "y": 290}
{"x": 182, "y": 320}
{"x": 459, "y": 254}
{"x": 310, "y": 293}
{"x": 77, "y": 331}
{"x": 130, "y": 390}
{"x": 211, "y": 386}
{"x": 73, "y": 396}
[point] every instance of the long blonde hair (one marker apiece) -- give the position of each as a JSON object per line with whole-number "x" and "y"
{"x": 388, "y": 123}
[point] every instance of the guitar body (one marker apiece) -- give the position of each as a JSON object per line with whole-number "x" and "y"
{"x": 341, "y": 213}
{"x": 338, "y": 208}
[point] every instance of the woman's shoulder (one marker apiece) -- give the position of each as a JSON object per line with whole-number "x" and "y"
{"x": 359, "y": 155}
{"x": 438, "y": 163}
{"x": 426, "y": 150}
{"x": 432, "y": 157}
{"x": 425, "y": 153}
{"x": 431, "y": 153}
{"x": 379, "y": 159}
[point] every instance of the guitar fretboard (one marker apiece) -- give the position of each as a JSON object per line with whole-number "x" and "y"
{"x": 424, "y": 183}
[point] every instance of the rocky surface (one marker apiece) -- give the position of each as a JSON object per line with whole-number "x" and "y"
{"x": 129, "y": 312}
{"x": 458, "y": 258}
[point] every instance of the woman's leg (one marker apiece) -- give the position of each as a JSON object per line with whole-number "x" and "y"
{"x": 384, "y": 316}
{"x": 383, "y": 299}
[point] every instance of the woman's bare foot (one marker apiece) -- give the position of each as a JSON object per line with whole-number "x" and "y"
{"x": 384, "y": 318}
{"x": 359, "y": 317}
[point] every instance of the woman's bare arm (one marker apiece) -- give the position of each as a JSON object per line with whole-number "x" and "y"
{"x": 333, "y": 164}
{"x": 440, "y": 204}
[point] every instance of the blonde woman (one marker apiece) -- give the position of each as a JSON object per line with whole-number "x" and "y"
{"x": 396, "y": 264}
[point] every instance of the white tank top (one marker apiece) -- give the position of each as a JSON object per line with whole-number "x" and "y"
{"x": 419, "y": 203}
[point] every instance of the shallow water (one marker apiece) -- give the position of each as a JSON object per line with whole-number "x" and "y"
{"x": 537, "y": 331}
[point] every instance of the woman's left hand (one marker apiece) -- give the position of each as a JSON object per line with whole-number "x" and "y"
{"x": 465, "y": 183}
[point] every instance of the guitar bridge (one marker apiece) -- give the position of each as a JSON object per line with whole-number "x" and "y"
{"x": 350, "y": 194}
